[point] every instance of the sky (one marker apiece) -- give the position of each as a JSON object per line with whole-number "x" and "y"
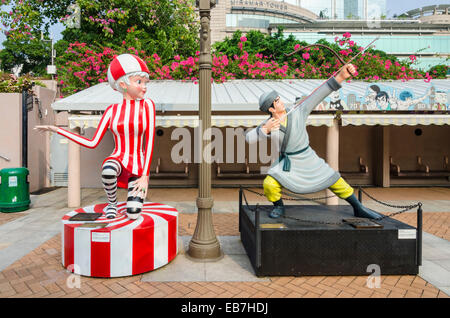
{"x": 400, "y": 6}
{"x": 392, "y": 6}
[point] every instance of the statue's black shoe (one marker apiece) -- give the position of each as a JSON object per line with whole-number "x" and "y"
{"x": 278, "y": 209}
{"x": 360, "y": 210}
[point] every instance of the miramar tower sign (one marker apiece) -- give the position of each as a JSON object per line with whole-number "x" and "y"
{"x": 260, "y": 4}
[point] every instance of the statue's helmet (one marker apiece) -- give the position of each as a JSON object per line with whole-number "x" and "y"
{"x": 125, "y": 64}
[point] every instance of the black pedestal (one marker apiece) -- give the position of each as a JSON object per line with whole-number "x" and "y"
{"x": 288, "y": 247}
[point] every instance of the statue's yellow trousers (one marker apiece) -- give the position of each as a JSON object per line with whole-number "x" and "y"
{"x": 272, "y": 189}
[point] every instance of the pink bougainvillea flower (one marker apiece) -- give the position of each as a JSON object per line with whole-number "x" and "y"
{"x": 296, "y": 47}
{"x": 305, "y": 56}
{"x": 347, "y": 35}
{"x": 243, "y": 39}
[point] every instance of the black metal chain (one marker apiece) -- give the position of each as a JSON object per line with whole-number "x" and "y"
{"x": 389, "y": 205}
{"x": 403, "y": 207}
{"x": 294, "y": 197}
{"x": 294, "y": 218}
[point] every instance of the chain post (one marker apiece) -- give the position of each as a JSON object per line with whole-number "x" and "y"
{"x": 359, "y": 194}
{"x": 258, "y": 236}
{"x": 419, "y": 234}
{"x": 240, "y": 207}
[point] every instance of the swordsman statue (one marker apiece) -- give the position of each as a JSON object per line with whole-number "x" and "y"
{"x": 132, "y": 123}
{"x": 299, "y": 168}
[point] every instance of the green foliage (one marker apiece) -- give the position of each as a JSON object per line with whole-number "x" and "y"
{"x": 22, "y": 25}
{"x": 34, "y": 56}
{"x": 11, "y": 84}
{"x": 164, "y": 27}
{"x": 273, "y": 46}
{"x": 259, "y": 55}
{"x": 440, "y": 70}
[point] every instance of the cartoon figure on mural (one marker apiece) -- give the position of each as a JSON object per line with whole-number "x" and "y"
{"x": 405, "y": 100}
{"x": 370, "y": 100}
{"x": 336, "y": 103}
{"x": 298, "y": 168}
{"x": 376, "y": 99}
{"x": 386, "y": 98}
{"x": 132, "y": 123}
{"x": 382, "y": 100}
{"x": 440, "y": 101}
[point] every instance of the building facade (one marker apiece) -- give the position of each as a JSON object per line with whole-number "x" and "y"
{"x": 424, "y": 32}
{"x": 231, "y": 15}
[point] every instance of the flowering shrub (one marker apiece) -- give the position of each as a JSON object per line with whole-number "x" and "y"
{"x": 165, "y": 27}
{"x": 376, "y": 65}
{"x": 11, "y": 84}
{"x": 82, "y": 65}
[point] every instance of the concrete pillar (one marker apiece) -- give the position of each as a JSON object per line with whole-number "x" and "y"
{"x": 333, "y": 156}
{"x": 74, "y": 185}
{"x": 382, "y": 151}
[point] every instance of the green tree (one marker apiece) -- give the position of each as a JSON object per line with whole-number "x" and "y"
{"x": 274, "y": 46}
{"x": 23, "y": 22}
{"x": 33, "y": 55}
{"x": 165, "y": 27}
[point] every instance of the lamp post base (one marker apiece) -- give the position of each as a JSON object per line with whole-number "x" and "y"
{"x": 204, "y": 251}
{"x": 204, "y": 244}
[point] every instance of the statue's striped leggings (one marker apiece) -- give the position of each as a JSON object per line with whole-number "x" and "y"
{"x": 272, "y": 189}
{"x": 111, "y": 169}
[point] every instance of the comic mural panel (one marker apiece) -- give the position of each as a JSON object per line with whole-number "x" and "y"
{"x": 382, "y": 97}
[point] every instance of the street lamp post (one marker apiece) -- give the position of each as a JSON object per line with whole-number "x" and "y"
{"x": 204, "y": 243}
{"x": 51, "y": 69}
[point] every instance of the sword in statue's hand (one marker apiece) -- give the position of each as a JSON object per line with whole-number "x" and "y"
{"x": 336, "y": 72}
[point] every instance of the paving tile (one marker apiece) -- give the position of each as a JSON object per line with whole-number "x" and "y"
{"x": 435, "y": 274}
{"x": 444, "y": 292}
{"x": 40, "y": 264}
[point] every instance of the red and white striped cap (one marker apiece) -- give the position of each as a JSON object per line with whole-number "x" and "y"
{"x": 125, "y": 64}
{"x": 123, "y": 247}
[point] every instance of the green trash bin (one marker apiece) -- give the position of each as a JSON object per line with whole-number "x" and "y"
{"x": 14, "y": 190}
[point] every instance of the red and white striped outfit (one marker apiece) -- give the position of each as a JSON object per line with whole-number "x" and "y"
{"x": 129, "y": 122}
{"x": 123, "y": 247}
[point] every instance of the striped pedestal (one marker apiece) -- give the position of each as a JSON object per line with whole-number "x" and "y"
{"x": 120, "y": 247}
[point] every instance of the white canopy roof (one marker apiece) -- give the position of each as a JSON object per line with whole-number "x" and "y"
{"x": 237, "y": 95}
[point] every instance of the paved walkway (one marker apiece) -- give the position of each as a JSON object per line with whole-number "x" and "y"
{"x": 30, "y": 260}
